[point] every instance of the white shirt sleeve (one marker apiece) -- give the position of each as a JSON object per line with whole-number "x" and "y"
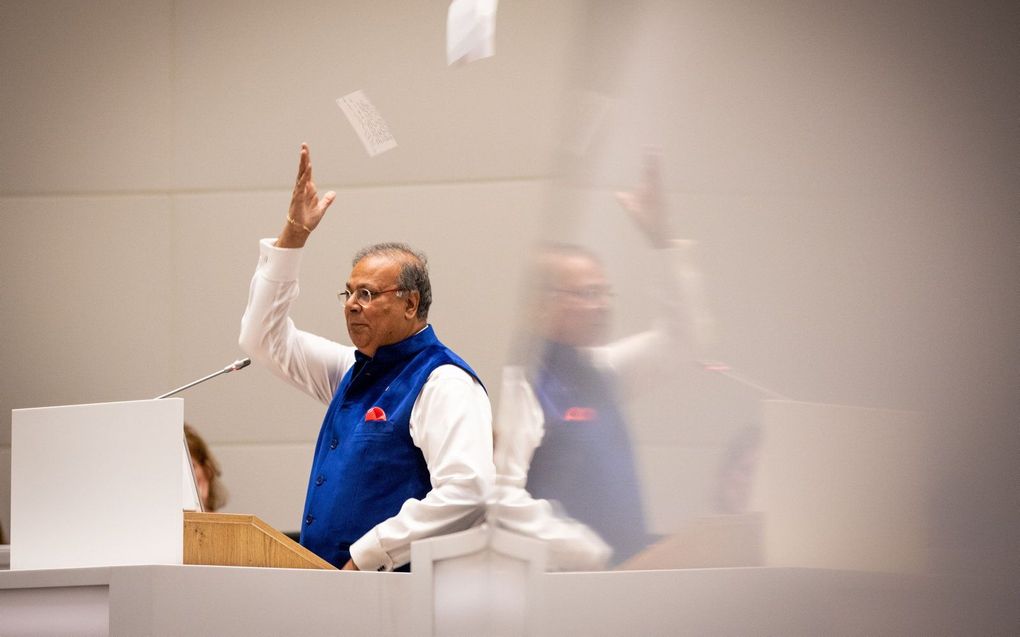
{"x": 519, "y": 428}
{"x": 519, "y": 431}
{"x": 313, "y": 364}
{"x": 451, "y": 422}
{"x": 684, "y": 327}
{"x": 572, "y": 546}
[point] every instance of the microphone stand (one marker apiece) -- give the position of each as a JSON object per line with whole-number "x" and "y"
{"x": 233, "y": 367}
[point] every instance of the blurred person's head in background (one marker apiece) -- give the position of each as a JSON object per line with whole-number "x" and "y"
{"x": 207, "y": 471}
{"x": 574, "y": 297}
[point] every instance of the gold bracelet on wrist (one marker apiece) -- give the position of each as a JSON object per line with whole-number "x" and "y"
{"x": 291, "y": 221}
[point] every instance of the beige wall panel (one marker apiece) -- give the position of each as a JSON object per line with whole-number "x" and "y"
{"x": 826, "y": 298}
{"x": 474, "y": 235}
{"x": 216, "y": 250}
{"x": 253, "y": 80}
{"x": 267, "y": 480}
{"x": 86, "y": 99}
{"x": 86, "y": 304}
{"x": 798, "y": 97}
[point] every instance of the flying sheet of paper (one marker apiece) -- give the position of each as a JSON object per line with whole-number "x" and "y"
{"x": 367, "y": 123}
{"x": 470, "y": 30}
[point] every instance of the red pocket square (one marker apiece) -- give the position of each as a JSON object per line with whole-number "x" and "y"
{"x": 375, "y": 413}
{"x": 580, "y": 414}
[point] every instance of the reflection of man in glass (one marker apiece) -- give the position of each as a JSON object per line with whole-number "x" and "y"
{"x": 568, "y": 431}
{"x": 585, "y": 460}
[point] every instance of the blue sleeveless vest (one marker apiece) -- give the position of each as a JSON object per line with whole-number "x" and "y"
{"x": 366, "y": 464}
{"x": 585, "y": 460}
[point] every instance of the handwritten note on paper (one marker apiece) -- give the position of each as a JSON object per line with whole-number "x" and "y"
{"x": 470, "y": 30}
{"x": 367, "y": 123}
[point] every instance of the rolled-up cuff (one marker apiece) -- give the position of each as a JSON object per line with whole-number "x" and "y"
{"x": 278, "y": 264}
{"x": 368, "y": 554}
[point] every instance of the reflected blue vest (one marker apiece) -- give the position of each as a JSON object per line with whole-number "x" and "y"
{"x": 366, "y": 464}
{"x": 585, "y": 461}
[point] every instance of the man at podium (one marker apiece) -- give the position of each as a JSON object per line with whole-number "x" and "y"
{"x": 405, "y": 448}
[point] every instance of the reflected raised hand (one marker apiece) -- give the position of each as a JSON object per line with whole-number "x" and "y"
{"x": 646, "y": 204}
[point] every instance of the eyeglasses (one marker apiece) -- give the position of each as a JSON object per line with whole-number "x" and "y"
{"x": 362, "y": 296}
{"x": 589, "y": 293}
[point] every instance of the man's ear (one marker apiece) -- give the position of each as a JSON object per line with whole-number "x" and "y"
{"x": 411, "y": 304}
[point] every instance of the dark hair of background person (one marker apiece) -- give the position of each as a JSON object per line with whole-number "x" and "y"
{"x": 201, "y": 455}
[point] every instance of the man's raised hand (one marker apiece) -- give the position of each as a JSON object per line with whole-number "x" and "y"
{"x": 306, "y": 208}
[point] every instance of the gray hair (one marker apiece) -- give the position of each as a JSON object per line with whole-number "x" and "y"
{"x": 414, "y": 270}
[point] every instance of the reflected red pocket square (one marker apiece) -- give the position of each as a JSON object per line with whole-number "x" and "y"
{"x": 580, "y": 414}
{"x": 375, "y": 413}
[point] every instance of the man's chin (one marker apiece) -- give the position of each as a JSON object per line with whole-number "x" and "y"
{"x": 358, "y": 339}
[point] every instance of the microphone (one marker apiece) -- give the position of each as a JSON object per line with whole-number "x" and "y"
{"x": 188, "y": 466}
{"x": 233, "y": 367}
{"x": 723, "y": 369}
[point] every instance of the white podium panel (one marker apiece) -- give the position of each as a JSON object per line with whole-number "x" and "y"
{"x": 97, "y": 485}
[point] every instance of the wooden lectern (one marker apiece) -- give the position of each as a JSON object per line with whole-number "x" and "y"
{"x": 232, "y": 539}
